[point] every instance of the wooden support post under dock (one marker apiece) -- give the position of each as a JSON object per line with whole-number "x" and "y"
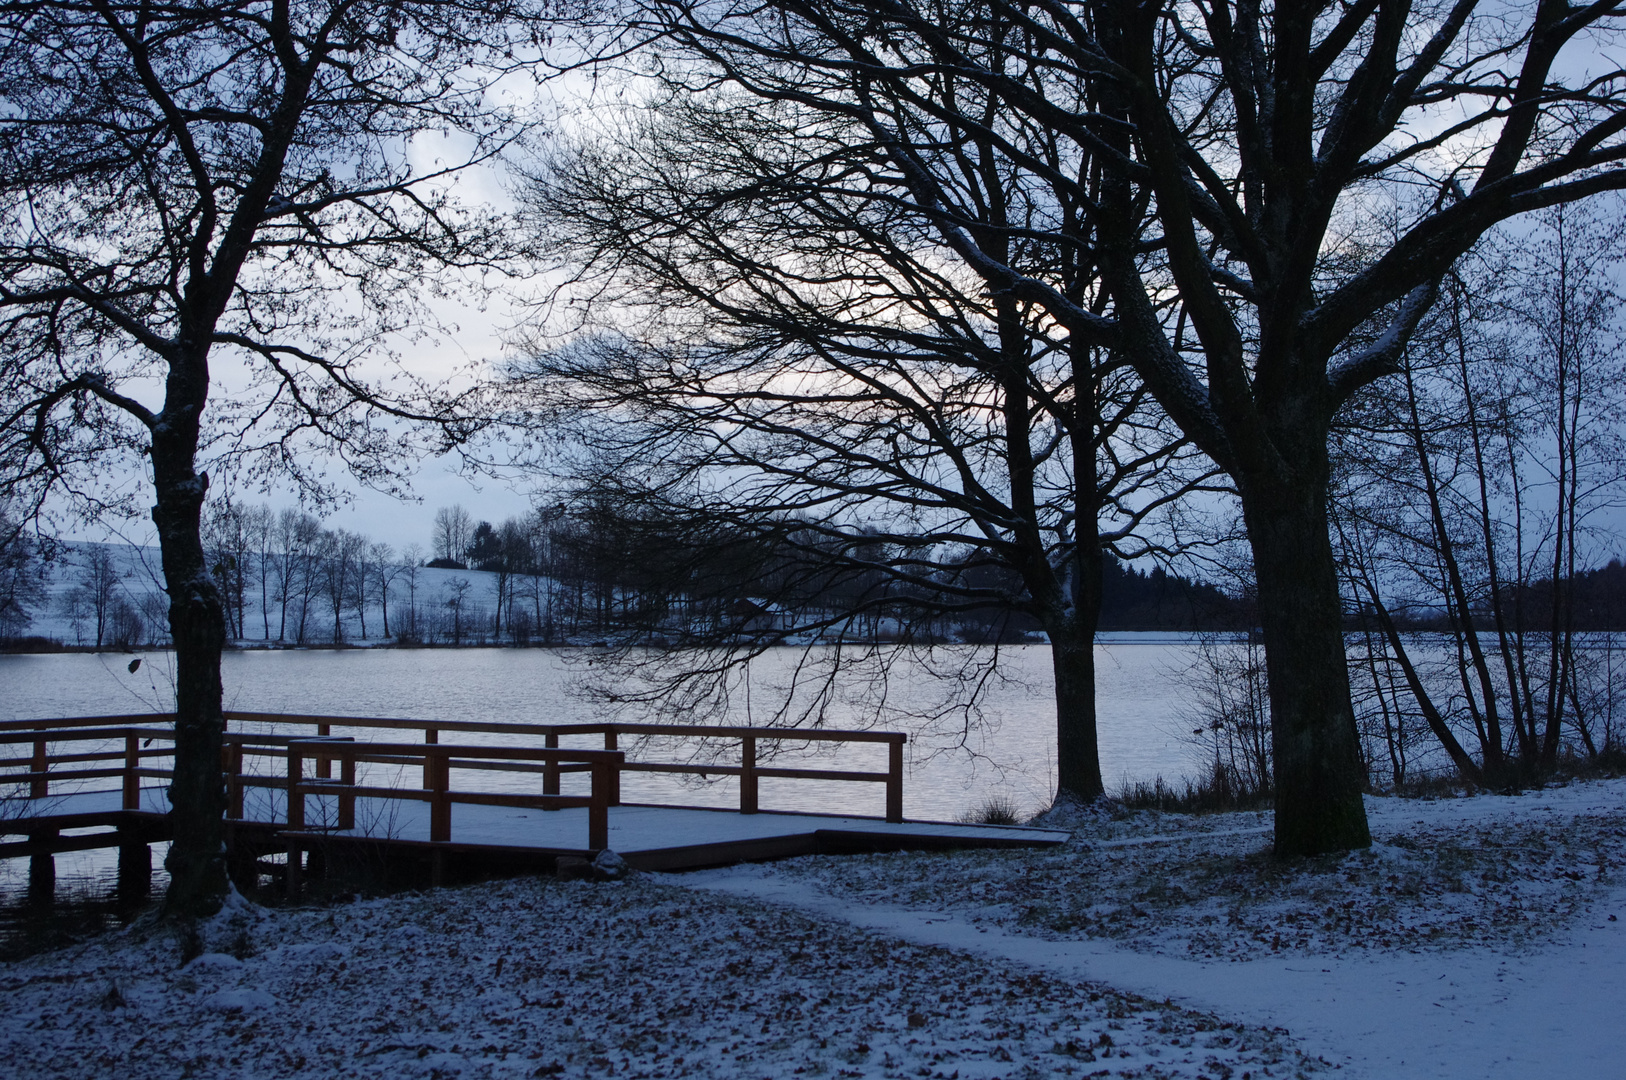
{"x": 132, "y": 776}
{"x": 39, "y": 786}
{"x": 440, "y": 803}
{"x": 598, "y": 811}
{"x": 430, "y": 738}
{"x": 135, "y": 869}
{"x": 296, "y": 819}
{"x": 42, "y": 870}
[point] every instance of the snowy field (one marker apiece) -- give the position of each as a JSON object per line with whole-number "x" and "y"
{"x": 1481, "y": 937}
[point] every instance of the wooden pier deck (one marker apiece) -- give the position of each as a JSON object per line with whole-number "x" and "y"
{"x": 306, "y": 790}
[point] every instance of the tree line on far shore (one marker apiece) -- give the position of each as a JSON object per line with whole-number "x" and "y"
{"x": 544, "y": 578}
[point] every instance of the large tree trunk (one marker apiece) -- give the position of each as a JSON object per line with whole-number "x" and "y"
{"x": 1318, "y": 772}
{"x": 197, "y": 624}
{"x": 1078, "y": 757}
{"x": 1072, "y": 657}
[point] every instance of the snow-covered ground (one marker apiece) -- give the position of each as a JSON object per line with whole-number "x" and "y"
{"x": 1481, "y": 937}
{"x": 539, "y": 978}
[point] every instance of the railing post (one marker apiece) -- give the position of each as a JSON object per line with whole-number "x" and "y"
{"x": 324, "y": 764}
{"x": 748, "y": 774}
{"x": 296, "y": 819}
{"x": 39, "y": 786}
{"x": 614, "y": 794}
{"x": 296, "y": 796}
{"x": 598, "y": 808}
{"x": 431, "y": 736}
{"x": 132, "y": 762}
{"x": 894, "y": 780}
{"x": 550, "y": 770}
{"x": 347, "y": 797}
{"x": 234, "y": 782}
{"x": 440, "y": 805}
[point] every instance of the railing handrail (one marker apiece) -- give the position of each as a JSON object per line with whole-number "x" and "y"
{"x": 595, "y": 728}
{"x": 28, "y": 735}
{"x": 117, "y": 720}
{"x": 437, "y": 788}
{"x": 338, "y": 748}
{"x": 323, "y": 746}
{"x": 24, "y": 730}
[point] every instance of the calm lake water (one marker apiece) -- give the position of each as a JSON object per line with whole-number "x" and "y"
{"x": 952, "y": 766}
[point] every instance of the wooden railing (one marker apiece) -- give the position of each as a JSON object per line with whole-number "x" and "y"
{"x": 750, "y": 769}
{"x": 437, "y": 762}
{"x": 43, "y": 765}
{"x": 134, "y": 734}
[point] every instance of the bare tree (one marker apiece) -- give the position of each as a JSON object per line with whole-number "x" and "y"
{"x": 221, "y": 194}
{"x": 1472, "y": 479}
{"x": 541, "y": 577}
{"x": 260, "y": 524}
{"x": 295, "y": 540}
{"x": 339, "y": 571}
{"x": 784, "y": 371}
{"x": 383, "y": 570}
{"x": 98, "y": 589}
{"x": 454, "y": 598}
{"x": 227, "y": 543}
{"x": 454, "y": 532}
{"x": 411, "y": 563}
{"x": 22, "y": 581}
{"x": 1261, "y": 139}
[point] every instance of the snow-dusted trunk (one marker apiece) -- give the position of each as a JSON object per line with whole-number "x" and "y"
{"x": 1317, "y": 762}
{"x": 197, "y": 626}
{"x": 1072, "y": 657}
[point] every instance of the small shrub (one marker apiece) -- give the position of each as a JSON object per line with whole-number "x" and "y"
{"x": 995, "y": 810}
{"x": 1218, "y": 792}
{"x": 1425, "y": 785}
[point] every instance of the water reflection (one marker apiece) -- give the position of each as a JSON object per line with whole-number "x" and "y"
{"x": 47, "y": 902}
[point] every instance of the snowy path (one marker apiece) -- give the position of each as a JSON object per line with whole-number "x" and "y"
{"x": 1470, "y": 1013}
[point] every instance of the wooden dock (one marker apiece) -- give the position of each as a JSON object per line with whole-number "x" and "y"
{"x": 309, "y": 793}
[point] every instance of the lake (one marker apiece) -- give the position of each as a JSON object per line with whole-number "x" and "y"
{"x": 951, "y": 767}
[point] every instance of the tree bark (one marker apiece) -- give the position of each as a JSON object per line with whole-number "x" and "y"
{"x": 197, "y": 623}
{"x": 1317, "y": 762}
{"x": 1072, "y": 638}
{"x": 1078, "y": 760}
